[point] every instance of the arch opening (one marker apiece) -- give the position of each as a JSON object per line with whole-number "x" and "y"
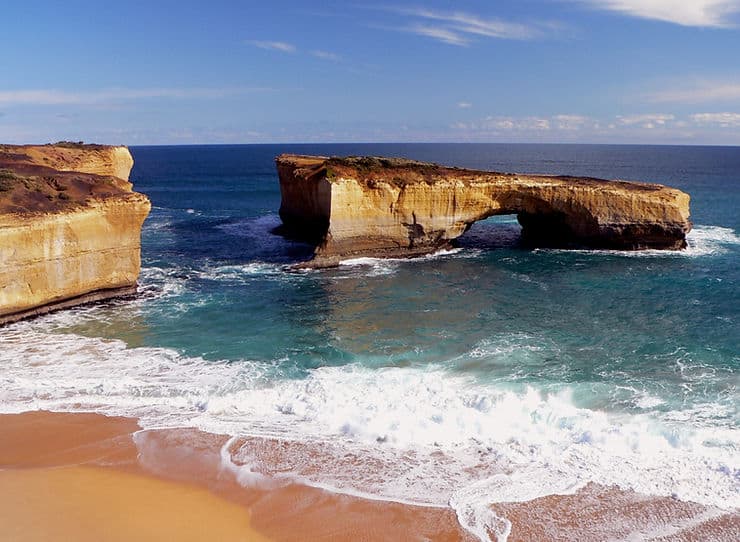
{"x": 499, "y": 231}
{"x": 519, "y": 220}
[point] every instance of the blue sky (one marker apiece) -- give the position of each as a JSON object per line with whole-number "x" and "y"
{"x": 170, "y": 72}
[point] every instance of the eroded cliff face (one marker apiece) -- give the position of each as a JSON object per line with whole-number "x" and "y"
{"x": 394, "y": 207}
{"x": 70, "y": 227}
{"x": 96, "y": 159}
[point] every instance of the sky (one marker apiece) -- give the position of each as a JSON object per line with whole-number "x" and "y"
{"x": 278, "y": 71}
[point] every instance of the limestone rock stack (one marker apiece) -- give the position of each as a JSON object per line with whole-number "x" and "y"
{"x": 70, "y": 226}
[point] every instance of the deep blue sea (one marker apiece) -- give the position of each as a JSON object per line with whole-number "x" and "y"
{"x": 484, "y": 374}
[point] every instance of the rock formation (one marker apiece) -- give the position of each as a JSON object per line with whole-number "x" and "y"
{"x": 70, "y": 227}
{"x": 389, "y": 207}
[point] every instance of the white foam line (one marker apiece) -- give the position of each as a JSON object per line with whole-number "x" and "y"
{"x": 701, "y": 241}
{"x": 675, "y": 528}
{"x": 478, "y": 519}
{"x": 243, "y": 473}
{"x": 442, "y": 253}
{"x": 359, "y": 494}
{"x": 246, "y": 477}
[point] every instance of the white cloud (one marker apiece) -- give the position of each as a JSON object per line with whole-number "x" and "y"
{"x": 464, "y": 105}
{"x": 274, "y": 46}
{"x": 573, "y": 127}
{"x": 326, "y": 55}
{"x": 468, "y": 23}
{"x": 724, "y": 120}
{"x": 445, "y": 35}
{"x": 460, "y": 28}
{"x": 501, "y": 124}
{"x": 516, "y": 123}
{"x": 536, "y": 124}
{"x": 63, "y": 97}
{"x": 646, "y": 121}
{"x": 703, "y": 13}
{"x": 529, "y": 124}
{"x": 570, "y": 122}
{"x": 699, "y": 92}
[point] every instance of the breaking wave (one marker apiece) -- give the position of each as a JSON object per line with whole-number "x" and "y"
{"x": 424, "y": 436}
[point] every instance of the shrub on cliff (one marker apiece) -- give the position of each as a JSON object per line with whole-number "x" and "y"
{"x": 7, "y": 180}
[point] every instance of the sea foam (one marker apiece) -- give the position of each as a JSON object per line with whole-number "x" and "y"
{"x": 418, "y": 435}
{"x": 700, "y": 241}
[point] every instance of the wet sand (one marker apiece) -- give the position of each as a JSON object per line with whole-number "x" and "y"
{"x": 90, "y": 477}
{"x": 597, "y": 513}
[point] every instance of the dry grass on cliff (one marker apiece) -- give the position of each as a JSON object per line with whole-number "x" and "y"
{"x": 402, "y": 171}
{"x": 81, "y": 145}
{"x": 28, "y": 187}
{"x": 8, "y": 180}
{"x": 397, "y": 171}
{"x": 21, "y": 193}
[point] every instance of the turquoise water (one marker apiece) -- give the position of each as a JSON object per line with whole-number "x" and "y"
{"x": 559, "y": 367}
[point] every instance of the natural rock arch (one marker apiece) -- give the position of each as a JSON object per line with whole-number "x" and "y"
{"x": 381, "y": 207}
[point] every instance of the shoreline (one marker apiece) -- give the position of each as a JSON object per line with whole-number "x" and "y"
{"x": 79, "y": 450}
{"x": 102, "y": 470}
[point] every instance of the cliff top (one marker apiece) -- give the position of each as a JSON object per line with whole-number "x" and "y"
{"x": 402, "y": 171}
{"x": 57, "y": 177}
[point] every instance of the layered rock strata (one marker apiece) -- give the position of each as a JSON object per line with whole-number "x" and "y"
{"x": 389, "y": 207}
{"x": 70, "y": 227}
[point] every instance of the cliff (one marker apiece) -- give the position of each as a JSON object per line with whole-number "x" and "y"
{"x": 70, "y": 227}
{"x": 353, "y": 207}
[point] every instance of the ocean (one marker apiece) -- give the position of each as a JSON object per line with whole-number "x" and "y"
{"x": 488, "y": 373}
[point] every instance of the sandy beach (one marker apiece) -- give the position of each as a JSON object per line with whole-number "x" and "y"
{"x": 87, "y": 477}
{"x": 75, "y": 477}
{"x": 81, "y": 477}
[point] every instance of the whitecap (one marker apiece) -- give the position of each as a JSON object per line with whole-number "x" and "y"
{"x": 240, "y": 272}
{"x": 398, "y": 416}
{"x": 710, "y": 240}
